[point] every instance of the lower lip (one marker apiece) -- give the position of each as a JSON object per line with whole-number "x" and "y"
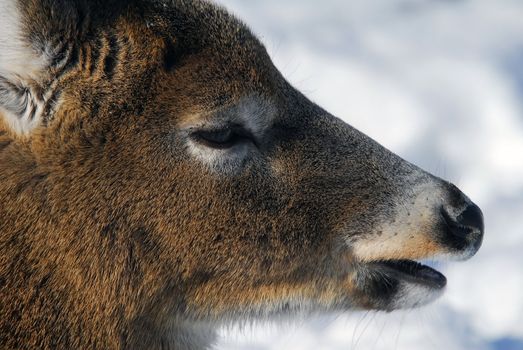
{"x": 413, "y": 271}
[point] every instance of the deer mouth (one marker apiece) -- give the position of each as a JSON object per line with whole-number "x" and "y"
{"x": 411, "y": 271}
{"x": 400, "y": 284}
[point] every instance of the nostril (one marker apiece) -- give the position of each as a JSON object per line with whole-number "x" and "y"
{"x": 470, "y": 221}
{"x": 472, "y": 217}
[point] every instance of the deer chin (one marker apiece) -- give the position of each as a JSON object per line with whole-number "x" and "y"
{"x": 400, "y": 284}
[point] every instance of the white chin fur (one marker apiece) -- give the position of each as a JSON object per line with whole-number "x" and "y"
{"x": 411, "y": 295}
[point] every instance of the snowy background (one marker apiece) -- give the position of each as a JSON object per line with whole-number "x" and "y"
{"x": 441, "y": 84}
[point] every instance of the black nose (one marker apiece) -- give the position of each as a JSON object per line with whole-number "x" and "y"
{"x": 467, "y": 226}
{"x": 472, "y": 218}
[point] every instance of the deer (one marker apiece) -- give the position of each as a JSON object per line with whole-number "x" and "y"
{"x": 159, "y": 178}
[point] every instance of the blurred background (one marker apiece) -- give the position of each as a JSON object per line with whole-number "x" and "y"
{"x": 439, "y": 82}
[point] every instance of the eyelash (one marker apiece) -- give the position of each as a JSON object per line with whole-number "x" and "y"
{"x": 221, "y": 138}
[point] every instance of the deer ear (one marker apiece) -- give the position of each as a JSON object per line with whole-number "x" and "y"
{"x": 23, "y": 71}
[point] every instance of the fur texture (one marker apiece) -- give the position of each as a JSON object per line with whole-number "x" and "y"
{"x": 159, "y": 177}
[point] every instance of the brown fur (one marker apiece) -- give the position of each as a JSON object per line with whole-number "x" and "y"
{"x": 112, "y": 236}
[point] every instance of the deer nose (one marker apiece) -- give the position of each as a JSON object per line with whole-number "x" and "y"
{"x": 468, "y": 227}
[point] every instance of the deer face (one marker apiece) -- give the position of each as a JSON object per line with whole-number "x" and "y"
{"x": 210, "y": 186}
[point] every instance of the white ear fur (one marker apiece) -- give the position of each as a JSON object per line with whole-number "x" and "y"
{"x": 22, "y": 67}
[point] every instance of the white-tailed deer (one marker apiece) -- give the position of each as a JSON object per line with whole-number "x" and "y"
{"x": 159, "y": 177}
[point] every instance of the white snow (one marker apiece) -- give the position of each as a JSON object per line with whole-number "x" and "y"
{"x": 439, "y": 82}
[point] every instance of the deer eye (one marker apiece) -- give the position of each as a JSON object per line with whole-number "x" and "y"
{"x": 219, "y": 139}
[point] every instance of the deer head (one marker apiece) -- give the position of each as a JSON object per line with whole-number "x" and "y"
{"x": 159, "y": 177}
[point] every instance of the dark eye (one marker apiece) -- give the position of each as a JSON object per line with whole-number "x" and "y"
{"x": 221, "y": 138}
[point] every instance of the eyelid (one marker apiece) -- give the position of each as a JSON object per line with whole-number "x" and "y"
{"x": 216, "y": 127}
{"x": 235, "y": 129}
